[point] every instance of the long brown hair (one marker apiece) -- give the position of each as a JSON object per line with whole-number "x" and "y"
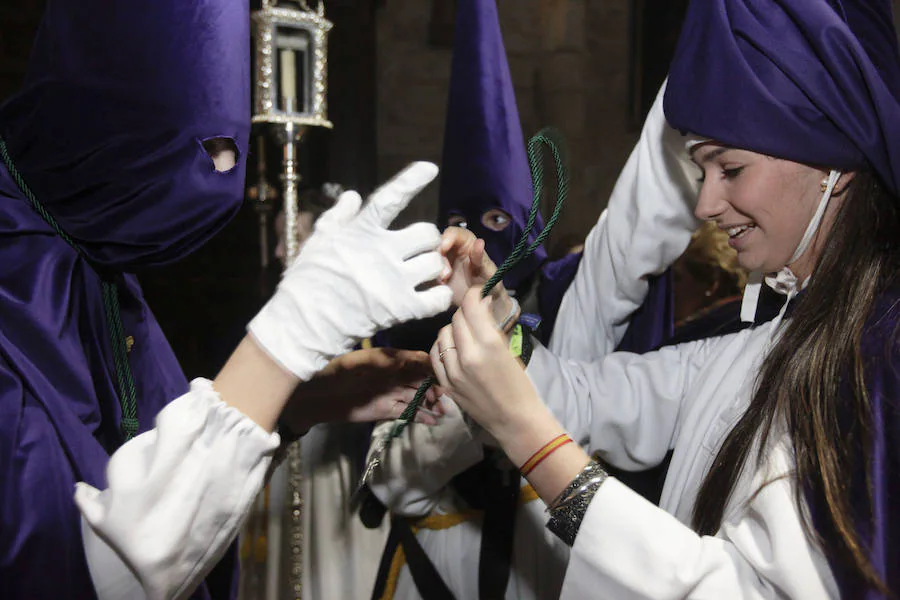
{"x": 804, "y": 380}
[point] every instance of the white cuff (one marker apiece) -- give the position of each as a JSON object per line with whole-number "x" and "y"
{"x": 423, "y": 460}
{"x": 176, "y": 497}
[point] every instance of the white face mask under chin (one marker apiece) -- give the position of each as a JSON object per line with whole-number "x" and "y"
{"x": 785, "y": 282}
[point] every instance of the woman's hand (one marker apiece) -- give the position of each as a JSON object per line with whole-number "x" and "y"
{"x": 474, "y": 367}
{"x": 365, "y": 385}
{"x": 470, "y": 264}
{"x": 471, "y": 267}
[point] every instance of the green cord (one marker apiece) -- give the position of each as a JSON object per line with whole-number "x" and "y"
{"x": 546, "y": 138}
{"x": 127, "y": 392}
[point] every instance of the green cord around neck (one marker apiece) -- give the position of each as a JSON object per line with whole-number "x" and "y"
{"x": 124, "y": 377}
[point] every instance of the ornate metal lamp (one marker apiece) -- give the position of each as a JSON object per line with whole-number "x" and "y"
{"x": 291, "y": 85}
{"x": 291, "y": 63}
{"x": 289, "y": 98}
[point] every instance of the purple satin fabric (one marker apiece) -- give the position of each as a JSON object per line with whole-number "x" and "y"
{"x": 485, "y": 165}
{"x": 107, "y": 132}
{"x": 813, "y": 81}
{"x": 877, "y": 521}
{"x": 653, "y": 323}
{"x": 556, "y": 277}
{"x": 108, "y": 126}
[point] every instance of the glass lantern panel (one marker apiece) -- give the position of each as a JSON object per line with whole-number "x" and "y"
{"x": 296, "y": 4}
{"x": 294, "y": 59}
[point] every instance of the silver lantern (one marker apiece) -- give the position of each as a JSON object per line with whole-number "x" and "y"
{"x": 290, "y": 88}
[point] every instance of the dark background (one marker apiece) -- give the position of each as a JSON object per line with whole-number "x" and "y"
{"x": 655, "y": 25}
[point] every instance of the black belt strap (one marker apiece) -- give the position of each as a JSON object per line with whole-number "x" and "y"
{"x": 484, "y": 487}
{"x": 384, "y": 567}
{"x": 428, "y": 581}
{"x": 497, "y": 534}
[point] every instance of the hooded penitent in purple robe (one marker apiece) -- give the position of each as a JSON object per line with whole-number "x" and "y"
{"x": 816, "y": 82}
{"x": 485, "y": 165}
{"x": 107, "y": 132}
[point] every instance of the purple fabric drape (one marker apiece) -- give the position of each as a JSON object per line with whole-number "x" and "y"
{"x": 107, "y": 131}
{"x": 876, "y": 520}
{"x": 653, "y": 324}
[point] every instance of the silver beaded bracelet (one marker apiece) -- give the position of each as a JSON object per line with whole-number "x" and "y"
{"x": 568, "y": 509}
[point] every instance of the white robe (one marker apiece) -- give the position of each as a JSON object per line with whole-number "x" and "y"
{"x": 413, "y": 483}
{"x": 633, "y": 409}
{"x": 647, "y": 225}
{"x": 340, "y": 554}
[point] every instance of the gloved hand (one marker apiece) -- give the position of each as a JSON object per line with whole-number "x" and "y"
{"x": 354, "y": 277}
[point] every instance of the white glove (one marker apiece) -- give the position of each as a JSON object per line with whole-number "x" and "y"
{"x": 354, "y": 277}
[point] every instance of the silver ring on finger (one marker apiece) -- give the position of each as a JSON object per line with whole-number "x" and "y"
{"x": 445, "y": 351}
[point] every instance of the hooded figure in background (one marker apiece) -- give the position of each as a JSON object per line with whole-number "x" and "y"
{"x": 486, "y": 187}
{"x": 486, "y": 179}
{"x": 112, "y": 133}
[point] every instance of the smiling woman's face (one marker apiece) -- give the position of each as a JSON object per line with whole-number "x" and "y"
{"x": 763, "y": 203}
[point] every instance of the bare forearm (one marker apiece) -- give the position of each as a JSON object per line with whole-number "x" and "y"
{"x": 520, "y": 440}
{"x": 254, "y": 384}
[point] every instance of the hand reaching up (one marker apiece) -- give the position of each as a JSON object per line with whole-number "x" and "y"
{"x": 471, "y": 267}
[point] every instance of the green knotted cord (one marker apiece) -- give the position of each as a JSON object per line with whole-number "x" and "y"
{"x": 127, "y": 393}
{"x": 546, "y": 139}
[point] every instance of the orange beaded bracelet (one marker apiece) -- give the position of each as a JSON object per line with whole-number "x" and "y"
{"x": 545, "y": 451}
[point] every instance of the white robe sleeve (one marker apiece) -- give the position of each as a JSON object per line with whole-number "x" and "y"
{"x": 647, "y": 225}
{"x": 627, "y": 548}
{"x": 420, "y": 463}
{"x": 177, "y": 495}
{"x": 625, "y": 406}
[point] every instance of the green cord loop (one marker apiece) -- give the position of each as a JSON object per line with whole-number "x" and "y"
{"x": 127, "y": 392}
{"x": 551, "y": 140}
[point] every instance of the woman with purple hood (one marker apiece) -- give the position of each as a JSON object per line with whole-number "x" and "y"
{"x": 126, "y": 148}
{"x": 785, "y": 433}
